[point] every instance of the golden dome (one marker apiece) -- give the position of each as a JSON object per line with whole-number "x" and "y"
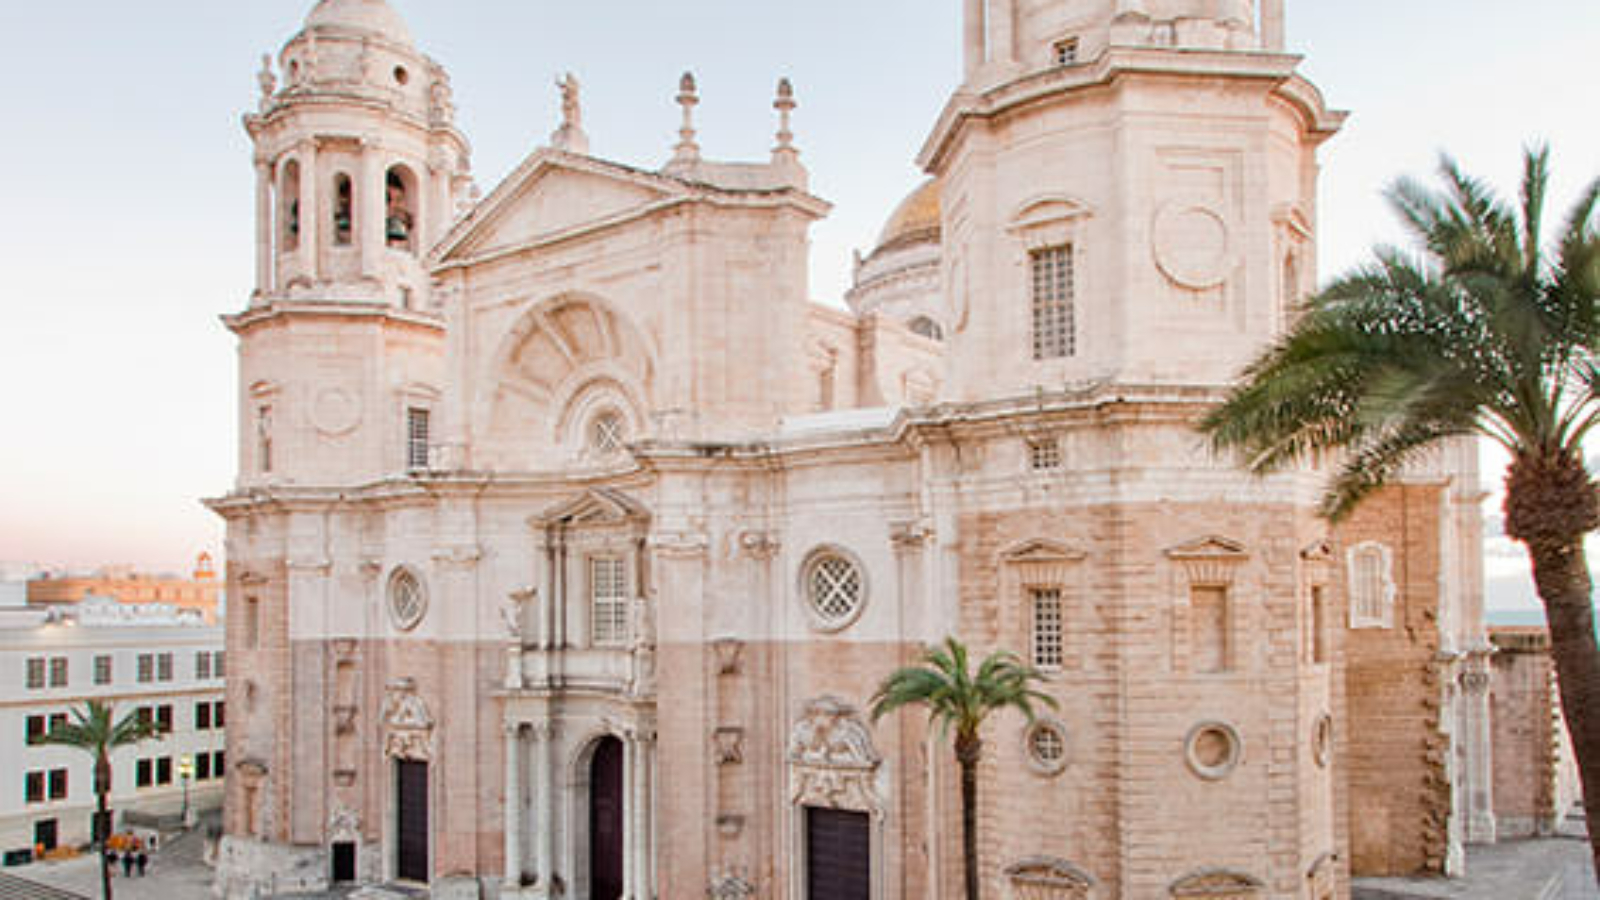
{"x": 915, "y": 221}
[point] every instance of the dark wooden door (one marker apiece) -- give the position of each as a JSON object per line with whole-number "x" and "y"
{"x": 838, "y": 855}
{"x": 605, "y": 821}
{"x": 44, "y": 834}
{"x": 344, "y": 862}
{"x": 411, "y": 820}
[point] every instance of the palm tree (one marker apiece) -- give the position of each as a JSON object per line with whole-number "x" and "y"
{"x": 957, "y": 698}
{"x": 1486, "y": 330}
{"x": 91, "y": 730}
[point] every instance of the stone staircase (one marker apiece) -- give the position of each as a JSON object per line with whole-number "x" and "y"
{"x": 14, "y": 888}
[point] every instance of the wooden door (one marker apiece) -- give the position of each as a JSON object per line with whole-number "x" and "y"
{"x": 411, "y": 820}
{"x": 605, "y": 821}
{"x": 838, "y": 855}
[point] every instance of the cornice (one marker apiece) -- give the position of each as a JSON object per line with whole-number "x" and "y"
{"x": 283, "y": 310}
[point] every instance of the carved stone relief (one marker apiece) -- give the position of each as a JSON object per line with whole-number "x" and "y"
{"x": 408, "y": 726}
{"x": 832, "y": 761}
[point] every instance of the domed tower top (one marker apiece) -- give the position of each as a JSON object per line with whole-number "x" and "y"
{"x": 371, "y": 17}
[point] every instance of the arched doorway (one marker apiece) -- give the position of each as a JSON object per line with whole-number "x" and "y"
{"x": 605, "y": 820}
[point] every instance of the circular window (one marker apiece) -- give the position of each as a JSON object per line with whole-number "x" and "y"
{"x": 1213, "y": 750}
{"x": 1322, "y": 740}
{"x": 407, "y": 600}
{"x": 835, "y": 589}
{"x": 607, "y": 433}
{"x": 401, "y": 76}
{"x": 1046, "y": 743}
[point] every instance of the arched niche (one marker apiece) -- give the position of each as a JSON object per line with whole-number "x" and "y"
{"x": 564, "y": 361}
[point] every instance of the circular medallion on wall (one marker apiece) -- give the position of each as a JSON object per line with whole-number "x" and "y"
{"x": 408, "y": 601}
{"x": 834, "y": 586}
{"x": 1191, "y": 244}
{"x": 335, "y": 411}
{"x": 1213, "y": 750}
{"x": 1045, "y": 742}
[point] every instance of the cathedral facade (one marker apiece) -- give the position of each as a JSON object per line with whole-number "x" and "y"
{"x": 570, "y": 537}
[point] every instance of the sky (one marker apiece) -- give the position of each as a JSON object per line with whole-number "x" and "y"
{"x": 126, "y": 187}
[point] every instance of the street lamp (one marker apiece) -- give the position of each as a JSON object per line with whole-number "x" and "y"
{"x": 186, "y": 772}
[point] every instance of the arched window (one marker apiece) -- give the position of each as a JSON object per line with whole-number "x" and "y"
{"x": 289, "y": 209}
{"x": 399, "y": 217}
{"x": 343, "y": 206}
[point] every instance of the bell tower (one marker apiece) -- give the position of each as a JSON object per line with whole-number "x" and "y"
{"x": 1129, "y": 192}
{"x": 359, "y": 171}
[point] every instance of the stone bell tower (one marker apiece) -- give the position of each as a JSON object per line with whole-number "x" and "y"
{"x": 359, "y": 170}
{"x": 1129, "y": 190}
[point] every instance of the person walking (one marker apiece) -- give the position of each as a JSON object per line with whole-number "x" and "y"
{"x": 143, "y": 860}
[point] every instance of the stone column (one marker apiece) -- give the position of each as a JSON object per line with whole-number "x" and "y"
{"x": 513, "y": 805}
{"x": 1476, "y": 734}
{"x": 544, "y": 805}
{"x": 1273, "y": 27}
{"x": 264, "y": 227}
{"x": 973, "y": 38}
{"x": 630, "y": 816}
{"x": 644, "y": 759}
{"x": 368, "y": 208}
{"x": 310, "y": 213}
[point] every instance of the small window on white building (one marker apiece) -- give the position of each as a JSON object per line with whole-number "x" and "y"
{"x": 36, "y": 668}
{"x": 1047, "y": 627}
{"x": 1066, "y": 51}
{"x": 1052, "y": 276}
{"x": 608, "y": 600}
{"x": 416, "y": 438}
{"x": 58, "y": 672}
{"x": 164, "y": 667}
{"x": 147, "y": 668}
{"x": 102, "y": 669}
{"x": 202, "y": 665}
{"x": 1372, "y": 589}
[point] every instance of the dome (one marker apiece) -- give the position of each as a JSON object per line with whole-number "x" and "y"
{"x": 915, "y": 220}
{"x": 371, "y": 16}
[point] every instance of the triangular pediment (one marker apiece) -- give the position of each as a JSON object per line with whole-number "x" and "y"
{"x": 594, "y": 507}
{"x": 1209, "y": 547}
{"x": 1043, "y": 551}
{"x": 554, "y": 195}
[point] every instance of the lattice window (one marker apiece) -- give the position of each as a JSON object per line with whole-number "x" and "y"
{"x": 407, "y": 600}
{"x": 1044, "y": 454}
{"x": 1052, "y": 302}
{"x": 416, "y": 438}
{"x": 608, "y": 600}
{"x": 1047, "y": 627}
{"x": 1372, "y": 587}
{"x": 835, "y": 589}
{"x": 1046, "y": 745}
{"x": 607, "y": 434}
{"x": 1066, "y": 52}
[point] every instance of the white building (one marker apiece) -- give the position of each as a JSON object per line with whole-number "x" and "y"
{"x": 53, "y": 662}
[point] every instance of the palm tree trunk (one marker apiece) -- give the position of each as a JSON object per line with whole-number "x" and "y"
{"x": 968, "y": 751}
{"x": 102, "y": 820}
{"x": 1561, "y": 575}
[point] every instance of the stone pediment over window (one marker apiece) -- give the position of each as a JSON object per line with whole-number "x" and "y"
{"x": 1041, "y": 561}
{"x": 1218, "y": 884}
{"x": 1048, "y": 878}
{"x": 597, "y": 507}
{"x": 1043, "y": 212}
{"x": 1210, "y": 560}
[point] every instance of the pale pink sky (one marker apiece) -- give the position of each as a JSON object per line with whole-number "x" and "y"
{"x": 126, "y": 184}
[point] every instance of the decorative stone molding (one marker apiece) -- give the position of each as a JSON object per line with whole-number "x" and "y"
{"x": 730, "y": 825}
{"x": 408, "y": 726}
{"x": 762, "y": 546}
{"x": 729, "y": 740}
{"x": 1048, "y": 878}
{"x": 729, "y": 653}
{"x": 457, "y": 555}
{"x": 1218, "y": 884}
{"x": 1210, "y": 560}
{"x": 407, "y": 598}
{"x": 1044, "y": 744}
{"x": 344, "y": 719}
{"x": 1193, "y": 244}
{"x": 910, "y": 536}
{"x": 1322, "y": 740}
{"x": 1042, "y": 562}
{"x": 680, "y": 544}
{"x": 252, "y": 578}
{"x": 310, "y": 565}
{"x": 344, "y": 823}
{"x": 512, "y": 611}
{"x": 1213, "y": 750}
{"x": 729, "y": 885}
{"x": 832, "y": 762}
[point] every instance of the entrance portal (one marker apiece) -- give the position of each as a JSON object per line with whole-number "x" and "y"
{"x": 838, "y": 855}
{"x": 411, "y": 820}
{"x": 605, "y": 821}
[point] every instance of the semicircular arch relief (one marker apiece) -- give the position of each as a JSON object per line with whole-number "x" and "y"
{"x": 549, "y": 360}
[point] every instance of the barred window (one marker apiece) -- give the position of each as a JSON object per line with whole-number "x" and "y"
{"x": 202, "y": 664}
{"x": 1372, "y": 587}
{"x": 102, "y": 669}
{"x": 1052, "y": 302}
{"x": 36, "y": 673}
{"x": 147, "y": 668}
{"x": 416, "y": 438}
{"x": 608, "y": 600}
{"x": 164, "y": 667}
{"x": 1047, "y": 649}
{"x": 1066, "y": 52}
{"x": 1044, "y": 454}
{"x": 58, "y": 671}
{"x": 835, "y": 590}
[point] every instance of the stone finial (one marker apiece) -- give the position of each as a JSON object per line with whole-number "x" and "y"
{"x": 687, "y": 150}
{"x": 268, "y": 81}
{"x": 785, "y": 105}
{"x": 570, "y": 136}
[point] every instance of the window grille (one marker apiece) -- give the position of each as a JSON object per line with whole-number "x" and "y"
{"x": 58, "y": 784}
{"x": 607, "y": 435}
{"x": 36, "y": 673}
{"x": 416, "y": 438}
{"x": 1371, "y": 587}
{"x": 1052, "y": 302}
{"x": 1044, "y": 454}
{"x": 1047, "y": 746}
{"x": 58, "y": 671}
{"x": 102, "y": 669}
{"x": 202, "y": 665}
{"x": 608, "y": 600}
{"x": 147, "y": 668}
{"x": 1047, "y": 628}
{"x": 1066, "y": 52}
{"x": 835, "y": 589}
{"x": 36, "y": 729}
{"x": 164, "y": 667}
{"x": 33, "y": 790}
